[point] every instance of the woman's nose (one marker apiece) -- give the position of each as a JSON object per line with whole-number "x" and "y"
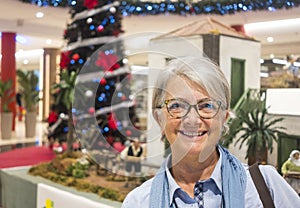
{"x": 193, "y": 116}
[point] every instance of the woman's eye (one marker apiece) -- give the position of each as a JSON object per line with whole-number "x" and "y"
{"x": 206, "y": 106}
{"x": 174, "y": 106}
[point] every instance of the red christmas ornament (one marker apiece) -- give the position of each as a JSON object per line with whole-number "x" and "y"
{"x": 100, "y": 28}
{"x": 76, "y": 57}
{"x": 103, "y": 81}
{"x": 90, "y": 4}
{"x": 110, "y": 140}
{"x": 123, "y": 98}
{"x": 91, "y": 110}
{"x": 128, "y": 133}
{"x": 108, "y": 62}
{"x": 112, "y": 121}
{"x": 192, "y": 10}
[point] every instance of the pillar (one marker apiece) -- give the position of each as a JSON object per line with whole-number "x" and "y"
{"x": 8, "y": 65}
{"x": 51, "y": 59}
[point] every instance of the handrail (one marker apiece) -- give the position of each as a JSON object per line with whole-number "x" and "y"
{"x": 247, "y": 94}
{"x": 241, "y": 100}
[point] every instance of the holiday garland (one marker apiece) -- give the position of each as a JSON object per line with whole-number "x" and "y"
{"x": 136, "y": 7}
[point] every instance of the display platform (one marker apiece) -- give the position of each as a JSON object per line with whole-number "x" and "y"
{"x": 19, "y": 189}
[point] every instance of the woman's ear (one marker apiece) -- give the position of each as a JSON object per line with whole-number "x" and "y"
{"x": 227, "y": 115}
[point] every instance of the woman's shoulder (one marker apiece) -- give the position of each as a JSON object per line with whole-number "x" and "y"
{"x": 139, "y": 196}
{"x": 269, "y": 172}
{"x": 282, "y": 194}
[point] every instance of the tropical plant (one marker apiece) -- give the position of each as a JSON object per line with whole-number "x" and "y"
{"x": 259, "y": 131}
{"x": 6, "y": 94}
{"x": 64, "y": 91}
{"x": 250, "y": 100}
{"x": 28, "y": 83}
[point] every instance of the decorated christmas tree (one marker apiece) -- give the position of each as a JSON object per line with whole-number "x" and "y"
{"x": 103, "y": 108}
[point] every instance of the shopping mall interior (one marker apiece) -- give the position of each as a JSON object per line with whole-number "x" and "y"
{"x": 53, "y": 53}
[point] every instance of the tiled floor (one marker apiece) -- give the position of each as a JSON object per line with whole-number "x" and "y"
{"x": 18, "y": 138}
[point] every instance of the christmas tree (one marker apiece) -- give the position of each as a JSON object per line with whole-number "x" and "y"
{"x": 103, "y": 108}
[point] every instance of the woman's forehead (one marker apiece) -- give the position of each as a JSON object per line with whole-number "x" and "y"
{"x": 183, "y": 88}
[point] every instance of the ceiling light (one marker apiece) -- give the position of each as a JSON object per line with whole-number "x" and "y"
{"x": 48, "y": 41}
{"x": 270, "y": 39}
{"x": 25, "y": 61}
{"x": 21, "y": 39}
{"x": 39, "y": 15}
{"x": 272, "y": 24}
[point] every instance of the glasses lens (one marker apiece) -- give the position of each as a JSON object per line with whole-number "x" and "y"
{"x": 180, "y": 108}
{"x": 208, "y": 109}
{"x": 177, "y": 108}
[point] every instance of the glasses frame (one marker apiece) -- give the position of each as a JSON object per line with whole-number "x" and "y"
{"x": 165, "y": 104}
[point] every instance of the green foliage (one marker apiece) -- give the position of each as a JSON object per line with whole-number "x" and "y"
{"x": 6, "y": 94}
{"x": 251, "y": 99}
{"x": 72, "y": 178}
{"x": 78, "y": 170}
{"x": 109, "y": 194}
{"x": 28, "y": 82}
{"x": 64, "y": 91}
{"x": 258, "y": 130}
{"x": 65, "y": 88}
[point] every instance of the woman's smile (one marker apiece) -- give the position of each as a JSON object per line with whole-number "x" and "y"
{"x": 192, "y": 134}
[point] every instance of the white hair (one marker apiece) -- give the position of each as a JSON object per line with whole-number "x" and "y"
{"x": 198, "y": 70}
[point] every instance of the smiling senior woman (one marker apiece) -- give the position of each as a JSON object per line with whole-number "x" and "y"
{"x": 191, "y": 104}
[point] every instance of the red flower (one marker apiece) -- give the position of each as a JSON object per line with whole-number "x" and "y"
{"x": 64, "y": 59}
{"x": 107, "y": 62}
{"x": 90, "y": 4}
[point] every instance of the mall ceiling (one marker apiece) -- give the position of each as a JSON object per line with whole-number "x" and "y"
{"x": 19, "y": 17}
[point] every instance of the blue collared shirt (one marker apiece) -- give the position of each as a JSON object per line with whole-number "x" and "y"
{"x": 212, "y": 190}
{"x": 283, "y": 195}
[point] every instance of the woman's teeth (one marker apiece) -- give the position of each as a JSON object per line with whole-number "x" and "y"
{"x": 192, "y": 134}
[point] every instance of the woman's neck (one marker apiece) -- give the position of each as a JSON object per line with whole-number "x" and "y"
{"x": 190, "y": 170}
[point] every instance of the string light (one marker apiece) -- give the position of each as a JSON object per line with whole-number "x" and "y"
{"x": 133, "y": 7}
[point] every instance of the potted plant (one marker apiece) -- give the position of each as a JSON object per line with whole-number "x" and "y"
{"x": 65, "y": 95}
{"x": 6, "y": 95}
{"x": 28, "y": 82}
{"x": 259, "y": 131}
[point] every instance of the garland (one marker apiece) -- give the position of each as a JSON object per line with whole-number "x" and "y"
{"x": 221, "y": 7}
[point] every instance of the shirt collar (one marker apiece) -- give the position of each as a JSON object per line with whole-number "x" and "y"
{"x": 173, "y": 186}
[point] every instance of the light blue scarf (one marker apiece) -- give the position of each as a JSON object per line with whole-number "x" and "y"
{"x": 233, "y": 183}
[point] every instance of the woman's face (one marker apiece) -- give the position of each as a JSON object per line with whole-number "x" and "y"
{"x": 191, "y": 135}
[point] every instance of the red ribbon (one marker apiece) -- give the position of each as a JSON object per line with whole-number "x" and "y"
{"x": 90, "y": 4}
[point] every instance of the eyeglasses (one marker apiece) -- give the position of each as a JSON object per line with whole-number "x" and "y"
{"x": 179, "y": 108}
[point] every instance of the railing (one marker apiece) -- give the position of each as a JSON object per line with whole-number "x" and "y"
{"x": 251, "y": 98}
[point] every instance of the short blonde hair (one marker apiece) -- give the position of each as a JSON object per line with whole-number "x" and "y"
{"x": 198, "y": 70}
